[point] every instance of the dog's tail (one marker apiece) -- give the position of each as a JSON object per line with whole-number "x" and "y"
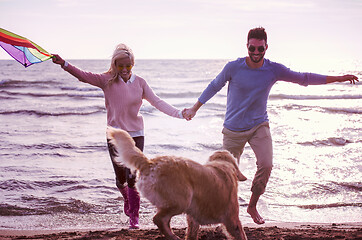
{"x": 128, "y": 154}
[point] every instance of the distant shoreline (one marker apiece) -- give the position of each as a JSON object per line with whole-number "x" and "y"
{"x": 139, "y": 59}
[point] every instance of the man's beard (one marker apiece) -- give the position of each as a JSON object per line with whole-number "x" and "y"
{"x": 256, "y": 60}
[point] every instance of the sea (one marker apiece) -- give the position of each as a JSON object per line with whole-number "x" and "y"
{"x": 55, "y": 170}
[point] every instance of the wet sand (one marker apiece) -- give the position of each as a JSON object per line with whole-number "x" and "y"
{"x": 290, "y": 231}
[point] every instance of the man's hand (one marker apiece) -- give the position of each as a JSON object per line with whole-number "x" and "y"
{"x": 188, "y": 113}
{"x": 351, "y": 78}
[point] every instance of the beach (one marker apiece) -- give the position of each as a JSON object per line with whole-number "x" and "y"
{"x": 291, "y": 231}
{"x": 57, "y": 181}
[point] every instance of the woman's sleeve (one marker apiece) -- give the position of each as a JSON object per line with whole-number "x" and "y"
{"x": 158, "y": 103}
{"x": 98, "y": 80}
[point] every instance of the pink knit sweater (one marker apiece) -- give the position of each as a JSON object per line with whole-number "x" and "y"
{"x": 123, "y": 100}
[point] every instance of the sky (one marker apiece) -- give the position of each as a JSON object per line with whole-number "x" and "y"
{"x": 299, "y": 31}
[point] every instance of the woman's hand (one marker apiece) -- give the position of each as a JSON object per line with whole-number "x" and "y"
{"x": 187, "y": 114}
{"x": 58, "y": 60}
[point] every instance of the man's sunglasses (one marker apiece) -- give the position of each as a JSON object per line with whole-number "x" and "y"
{"x": 252, "y": 48}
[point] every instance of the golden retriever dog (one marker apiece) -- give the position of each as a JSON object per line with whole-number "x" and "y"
{"x": 207, "y": 194}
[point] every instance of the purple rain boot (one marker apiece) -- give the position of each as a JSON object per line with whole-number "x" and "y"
{"x": 134, "y": 207}
{"x": 124, "y": 192}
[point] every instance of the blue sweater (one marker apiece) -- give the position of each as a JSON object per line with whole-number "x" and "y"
{"x": 248, "y": 90}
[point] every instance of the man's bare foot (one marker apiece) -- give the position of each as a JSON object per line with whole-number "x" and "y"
{"x": 255, "y": 215}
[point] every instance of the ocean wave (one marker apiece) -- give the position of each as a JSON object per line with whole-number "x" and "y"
{"x": 14, "y": 210}
{"x": 65, "y": 185}
{"x": 71, "y": 206}
{"x": 81, "y": 89}
{"x": 329, "y": 205}
{"x": 216, "y": 106}
{"x": 56, "y": 114}
{"x": 49, "y": 205}
{"x": 350, "y": 186}
{"x": 56, "y": 200}
{"x": 33, "y": 94}
{"x": 312, "y": 97}
{"x": 178, "y": 94}
{"x": 332, "y": 110}
{"x": 332, "y": 141}
{"x": 169, "y": 146}
{"x": 211, "y": 147}
{"x": 7, "y": 98}
{"x": 38, "y": 95}
{"x": 13, "y": 184}
{"x": 344, "y": 110}
{"x": 335, "y": 187}
{"x": 56, "y": 146}
{"x": 326, "y": 190}
{"x": 46, "y": 146}
{"x": 87, "y": 186}
{"x": 9, "y": 82}
{"x": 22, "y": 83}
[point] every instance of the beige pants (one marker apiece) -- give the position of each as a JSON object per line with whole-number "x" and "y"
{"x": 259, "y": 138}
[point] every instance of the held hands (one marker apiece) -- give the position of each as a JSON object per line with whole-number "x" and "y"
{"x": 58, "y": 60}
{"x": 188, "y": 113}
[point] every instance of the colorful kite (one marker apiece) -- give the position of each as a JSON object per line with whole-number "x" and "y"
{"x": 21, "y": 49}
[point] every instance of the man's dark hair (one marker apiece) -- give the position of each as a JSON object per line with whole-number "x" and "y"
{"x": 258, "y": 33}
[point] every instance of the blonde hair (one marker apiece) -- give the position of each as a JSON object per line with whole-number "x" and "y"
{"x": 121, "y": 51}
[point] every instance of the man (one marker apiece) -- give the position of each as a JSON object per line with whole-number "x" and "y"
{"x": 246, "y": 120}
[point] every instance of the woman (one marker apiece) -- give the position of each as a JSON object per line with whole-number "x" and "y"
{"x": 123, "y": 92}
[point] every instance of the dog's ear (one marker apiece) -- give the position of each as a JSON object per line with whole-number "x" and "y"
{"x": 228, "y": 157}
{"x": 240, "y": 176}
{"x": 110, "y": 132}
